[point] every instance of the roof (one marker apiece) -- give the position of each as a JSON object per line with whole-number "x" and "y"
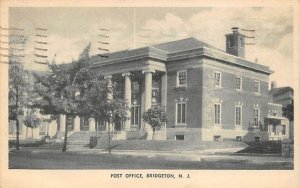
{"x": 175, "y": 50}
{"x": 160, "y": 50}
{"x": 181, "y": 45}
{"x": 280, "y": 90}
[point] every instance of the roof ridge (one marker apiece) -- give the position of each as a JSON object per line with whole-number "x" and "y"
{"x": 175, "y": 41}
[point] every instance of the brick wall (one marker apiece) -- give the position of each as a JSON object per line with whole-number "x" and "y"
{"x": 229, "y": 97}
{"x": 190, "y": 94}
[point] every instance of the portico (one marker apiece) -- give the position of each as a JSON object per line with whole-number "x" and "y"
{"x": 141, "y": 86}
{"x": 140, "y": 90}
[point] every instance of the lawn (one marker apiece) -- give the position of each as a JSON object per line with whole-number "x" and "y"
{"x": 268, "y": 147}
{"x": 168, "y": 145}
{"x": 30, "y": 159}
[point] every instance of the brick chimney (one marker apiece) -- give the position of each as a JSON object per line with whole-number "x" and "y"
{"x": 273, "y": 85}
{"x": 235, "y": 43}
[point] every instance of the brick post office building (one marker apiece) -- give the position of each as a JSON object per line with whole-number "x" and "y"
{"x": 208, "y": 94}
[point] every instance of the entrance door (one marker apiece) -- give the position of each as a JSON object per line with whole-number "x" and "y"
{"x": 84, "y": 124}
{"x": 135, "y": 115}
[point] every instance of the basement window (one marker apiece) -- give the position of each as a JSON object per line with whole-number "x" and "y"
{"x": 179, "y": 137}
{"x": 217, "y": 138}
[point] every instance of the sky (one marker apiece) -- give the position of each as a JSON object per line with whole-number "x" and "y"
{"x": 70, "y": 30}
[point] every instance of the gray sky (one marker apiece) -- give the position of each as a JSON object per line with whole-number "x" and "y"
{"x": 71, "y": 29}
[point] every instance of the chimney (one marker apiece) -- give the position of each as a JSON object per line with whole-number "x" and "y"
{"x": 273, "y": 85}
{"x": 235, "y": 43}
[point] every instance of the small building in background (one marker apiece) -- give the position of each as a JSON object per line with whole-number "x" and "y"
{"x": 285, "y": 97}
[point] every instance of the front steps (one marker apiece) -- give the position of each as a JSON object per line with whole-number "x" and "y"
{"x": 79, "y": 140}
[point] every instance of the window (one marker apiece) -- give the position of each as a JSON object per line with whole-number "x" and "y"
{"x": 270, "y": 129}
{"x": 181, "y": 78}
{"x": 179, "y": 137}
{"x": 135, "y": 115}
{"x": 181, "y": 107}
{"x": 256, "y": 86}
{"x": 256, "y": 116}
{"x": 256, "y": 139}
{"x": 238, "y": 115}
{"x": 275, "y": 130}
{"x": 217, "y": 138}
{"x": 217, "y": 114}
{"x": 283, "y": 129}
{"x": 238, "y": 83}
{"x": 218, "y": 79}
{"x": 238, "y": 138}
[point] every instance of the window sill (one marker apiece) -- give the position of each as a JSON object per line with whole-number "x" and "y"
{"x": 239, "y": 90}
{"x": 258, "y": 94}
{"x": 217, "y": 126}
{"x": 218, "y": 87}
{"x": 183, "y": 87}
{"x": 181, "y": 125}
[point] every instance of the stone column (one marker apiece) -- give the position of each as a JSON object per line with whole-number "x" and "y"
{"x": 62, "y": 125}
{"x": 77, "y": 124}
{"x": 148, "y": 94}
{"x": 62, "y": 122}
{"x": 110, "y": 97}
{"x": 163, "y": 91}
{"x": 92, "y": 124}
{"x": 127, "y": 98}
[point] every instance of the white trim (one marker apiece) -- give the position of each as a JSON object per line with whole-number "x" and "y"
{"x": 257, "y": 81}
{"x": 220, "y": 82}
{"x": 176, "y": 114}
{"x": 241, "y": 83}
{"x": 220, "y": 119}
{"x": 275, "y": 104}
{"x": 243, "y": 59}
{"x": 241, "y": 118}
{"x": 177, "y": 78}
{"x": 258, "y": 116}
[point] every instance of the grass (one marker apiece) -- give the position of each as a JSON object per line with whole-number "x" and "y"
{"x": 156, "y": 145}
{"x": 167, "y": 145}
{"x": 27, "y": 159}
{"x": 25, "y": 143}
{"x": 269, "y": 147}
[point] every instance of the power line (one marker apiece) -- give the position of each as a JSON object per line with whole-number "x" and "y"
{"x": 250, "y": 30}
{"x": 103, "y": 49}
{"x": 103, "y": 29}
{"x": 41, "y": 46}
{"x": 18, "y": 39}
{"x": 40, "y": 62}
{"x": 41, "y": 29}
{"x": 105, "y": 36}
{"x": 38, "y": 35}
{"x": 102, "y": 42}
{"x": 41, "y": 42}
{"x": 12, "y": 28}
{"x": 41, "y": 49}
{"x": 42, "y": 56}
